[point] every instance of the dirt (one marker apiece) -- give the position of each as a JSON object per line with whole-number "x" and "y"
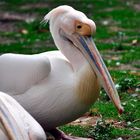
{"x": 124, "y": 67}
{"x": 115, "y": 29}
{"x": 92, "y": 121}
{"x": 7, "y": 26}
{"x": 6, "y": 41}
{"x": 86, "y": 120}
{"x": 137, "y": 6}
{"x": 12, "y": 16}
{"x": 34, "y": 6}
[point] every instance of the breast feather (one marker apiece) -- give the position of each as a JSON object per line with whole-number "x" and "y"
{"x": 87, "y": 87}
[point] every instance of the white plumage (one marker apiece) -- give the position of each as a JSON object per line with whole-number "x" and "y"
{"x": 43, "y": 84}
{"x": 59, "y": 86}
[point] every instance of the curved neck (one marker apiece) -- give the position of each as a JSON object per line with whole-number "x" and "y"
{"x": 87, "y": 92}
{"x": 74, "y": 56}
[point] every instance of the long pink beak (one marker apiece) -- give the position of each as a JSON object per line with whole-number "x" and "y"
{"x": 88, "y": 48}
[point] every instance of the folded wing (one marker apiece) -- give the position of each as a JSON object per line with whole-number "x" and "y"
{"x": 18, "y": 73}
{"x": 16, "y": 123}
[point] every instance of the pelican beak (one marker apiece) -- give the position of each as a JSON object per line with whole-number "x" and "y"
{"x": 88, "y": 48}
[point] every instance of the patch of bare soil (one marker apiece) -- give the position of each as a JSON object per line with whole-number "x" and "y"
{"x": 127, "y": 67}
{"x": 134, "y": 4}
{"x": 9, "y": 18}
{"x": 86, "y": 120}
{"x": 110, "y": 9}
{"x": 34, "y": 6}
{"x": 12, "y": 16}
{"x": 112, "y": 56}
{"x": 6, "y": 41}
{"x": 7, "y": 26}
{"x": 48, "y": 43}
{"x": 116, "y": 124}
{"x": 92, "y": 121}
{"x": 116, "y": 55}
{"x": 137, "y": 6}
{"x": 2, "y": 3}
{"x": 108, "y": 40}
{"x": 115, "y": 29}
{"x": 124, "y": 67}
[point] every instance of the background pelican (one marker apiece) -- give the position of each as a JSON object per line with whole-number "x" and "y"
{"x": 57, "y": 87}
{"x": 16, "y": 123}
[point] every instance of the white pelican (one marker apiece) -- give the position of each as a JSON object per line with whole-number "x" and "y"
{"x": 57, "y": 87}
{"x": 16, "y": 123}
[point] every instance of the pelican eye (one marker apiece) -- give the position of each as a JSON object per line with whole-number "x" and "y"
{"x": 79, "y": 26}
{"x": 83, "y": 29}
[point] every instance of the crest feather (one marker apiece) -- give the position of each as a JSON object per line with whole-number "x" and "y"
{"x": 56, "y": 12}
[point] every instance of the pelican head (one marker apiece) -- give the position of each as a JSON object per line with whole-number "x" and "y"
{"x": 76, "y": 28}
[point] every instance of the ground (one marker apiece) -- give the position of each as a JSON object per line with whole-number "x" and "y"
{"x": 117, "y": 38}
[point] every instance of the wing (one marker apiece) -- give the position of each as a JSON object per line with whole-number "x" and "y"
{"x": 16, "y": 123}
{"x": 18, "y": 73}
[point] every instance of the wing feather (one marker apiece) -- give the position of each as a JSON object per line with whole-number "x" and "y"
{"x": 18, "y": 73}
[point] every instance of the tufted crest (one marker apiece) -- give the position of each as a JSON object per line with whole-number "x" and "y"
{"x": 55, "y": 12}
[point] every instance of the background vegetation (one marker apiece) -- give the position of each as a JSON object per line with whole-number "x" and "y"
{"x": 117, "y": 38}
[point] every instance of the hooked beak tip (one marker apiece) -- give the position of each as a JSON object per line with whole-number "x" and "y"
{"x": 121, "y": 110}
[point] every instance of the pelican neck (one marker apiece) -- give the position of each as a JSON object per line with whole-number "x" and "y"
{"x": 73, "y": 54}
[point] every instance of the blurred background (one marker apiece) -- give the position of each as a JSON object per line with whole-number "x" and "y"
{"x": 117, "y": 38}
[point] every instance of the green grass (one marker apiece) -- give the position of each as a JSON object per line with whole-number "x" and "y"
{"x": 117, "y": 27}
{"x": 79, "y": 131}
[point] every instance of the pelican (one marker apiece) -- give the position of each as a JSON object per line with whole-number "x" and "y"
{"x": 16, "y": 123}
{"x": 54, "y": 87}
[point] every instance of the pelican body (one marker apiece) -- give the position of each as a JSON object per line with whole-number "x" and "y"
{"x": 57, "y": 87}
